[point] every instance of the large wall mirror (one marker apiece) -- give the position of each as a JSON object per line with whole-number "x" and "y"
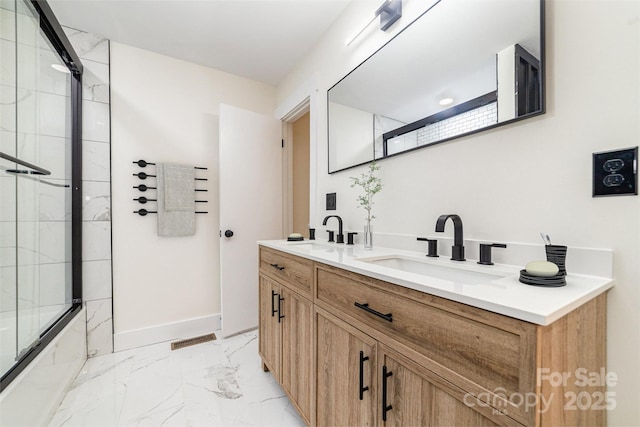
{"x": 462, "y": 67}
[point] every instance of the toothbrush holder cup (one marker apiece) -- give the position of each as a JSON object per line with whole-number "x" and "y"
{"x": 557, "y": 254}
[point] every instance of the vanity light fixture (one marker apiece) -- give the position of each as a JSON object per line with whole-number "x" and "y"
{"x": 389, "y": 13}
{"x": 446, "y": 101}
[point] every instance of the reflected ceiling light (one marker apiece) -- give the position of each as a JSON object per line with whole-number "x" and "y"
{"x": 446, "y": 101}
{"x": 60, "y": 68}
{"x": 389, "y": 13}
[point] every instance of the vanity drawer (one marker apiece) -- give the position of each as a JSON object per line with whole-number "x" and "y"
{"x": 291, "y": 270}
{"x": 485, "y": 353}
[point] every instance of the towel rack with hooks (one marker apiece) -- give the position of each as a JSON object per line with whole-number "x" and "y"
{"x": 143, "y": 200}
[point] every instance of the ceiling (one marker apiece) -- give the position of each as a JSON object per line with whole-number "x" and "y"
{"x": 258, "y": 39}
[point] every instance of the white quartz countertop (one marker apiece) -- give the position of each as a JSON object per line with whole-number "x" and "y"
{"x": 503, "y": 293}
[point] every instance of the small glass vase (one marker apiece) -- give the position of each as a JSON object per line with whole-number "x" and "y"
{"x": 368, "y": 236}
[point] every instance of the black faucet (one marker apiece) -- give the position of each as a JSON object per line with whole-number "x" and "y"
{"x": 340, "y": 237}
{"x": 485, "y": 252}
{"x": 457, "y": 250}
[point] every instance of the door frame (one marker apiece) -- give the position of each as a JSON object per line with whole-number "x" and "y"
{"x": 287, "y": 179}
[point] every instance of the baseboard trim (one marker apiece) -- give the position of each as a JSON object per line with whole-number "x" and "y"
{"x": 167, "y": 332}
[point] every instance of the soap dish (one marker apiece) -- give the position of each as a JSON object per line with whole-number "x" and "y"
{"x": 295, "y": 239}
{"x": 552, "y": 281}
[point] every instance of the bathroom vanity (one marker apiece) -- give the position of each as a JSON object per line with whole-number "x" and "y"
{"x": 354, "y": 342}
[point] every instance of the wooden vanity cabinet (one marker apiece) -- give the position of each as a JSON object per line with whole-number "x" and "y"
{"x": 442, "y": 363}
{"x": 358, "y": 378}
{"x": 414, "y": 396}
{"x": 356, "y": 351}
{"x": 346, "y": 381}
{"x": 286, "y": 325}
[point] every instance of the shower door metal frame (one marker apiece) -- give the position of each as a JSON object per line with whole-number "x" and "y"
{"x": 55, "y": 34}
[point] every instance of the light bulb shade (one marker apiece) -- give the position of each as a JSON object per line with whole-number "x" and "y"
{"x": 390, "y": 12}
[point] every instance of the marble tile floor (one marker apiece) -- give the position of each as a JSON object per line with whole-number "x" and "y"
{"x": 219, "y": 383}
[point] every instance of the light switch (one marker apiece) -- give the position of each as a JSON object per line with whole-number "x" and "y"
{"x": 615, "y": 172}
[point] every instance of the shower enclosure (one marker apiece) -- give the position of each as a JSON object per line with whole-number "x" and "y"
{"x": 40, "y": 182}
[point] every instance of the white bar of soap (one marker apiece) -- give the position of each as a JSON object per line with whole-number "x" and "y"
{"x": 542, "y": 268}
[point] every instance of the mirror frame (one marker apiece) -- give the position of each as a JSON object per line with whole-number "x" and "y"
{"x": 543, "y": 91}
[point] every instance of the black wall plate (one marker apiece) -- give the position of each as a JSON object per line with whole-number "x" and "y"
{"x": 615, "y": 172}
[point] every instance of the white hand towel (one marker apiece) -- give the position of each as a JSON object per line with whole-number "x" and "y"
{"x": 175, "y": 223}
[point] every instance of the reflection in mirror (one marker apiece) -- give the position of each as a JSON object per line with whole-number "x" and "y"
{"x": 463, "y": 66}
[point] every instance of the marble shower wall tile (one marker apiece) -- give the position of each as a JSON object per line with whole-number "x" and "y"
{"x": 7, "y": 108}
{"x": 49, "y": 154}
{"x": 8, "y": 290}
{"x": 7, "y": 25}
{"x": 96, "y": 275}
{"x": 96, "y": 203}
{"x": 58, "y": 279}
{"x": 54, "y": 113}
{"x": 95, "y": 121}
{"x": 55, "y": 242}
{"x": 96, "y": 240}
{"x": 96, "y": 162}
{"x": 7, "y": 62}
{"x": 8, "y": 205}
{"x": 88, "y": 46}
{"x": 95, "y": 81}
{"x": 53, "y": 201}
{"x": 99, "y": 327}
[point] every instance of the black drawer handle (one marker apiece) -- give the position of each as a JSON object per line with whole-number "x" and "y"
{"x": 280, "y": 315}
{"x": 385, "y": 407}
{"x": 362, "y": 388}
{"x": 273, "y": 306}
{"x": 276, "y": 266}
{"x": 388, "y": 317}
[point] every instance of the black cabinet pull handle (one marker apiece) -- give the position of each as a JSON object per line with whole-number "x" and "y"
{"x": 280, "y": 315}
{"x": 388, "y": 317}
{"x": 276, "y": 266}
{"x": 273, "y": 306}
{"x": 385, "y": 407}
{"x": 362, "y": 388}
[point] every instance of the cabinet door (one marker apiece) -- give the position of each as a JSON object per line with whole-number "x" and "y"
{"x": 297, "y": 350}
{"x": 412, "y": 396}
{"x": 269, "y": 329}
{"x": 346, "y": 381}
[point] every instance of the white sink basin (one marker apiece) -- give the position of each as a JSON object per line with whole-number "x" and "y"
{"x": 409, "y": 265}
{"x": 309, "y": 245}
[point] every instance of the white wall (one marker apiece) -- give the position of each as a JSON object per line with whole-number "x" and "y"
{"x": 163, "y": 110}
{"x": 352, "y": 135}
{"x": 510, "y": 183}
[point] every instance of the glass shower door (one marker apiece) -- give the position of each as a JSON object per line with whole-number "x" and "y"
{"x": 36, "y": 187}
